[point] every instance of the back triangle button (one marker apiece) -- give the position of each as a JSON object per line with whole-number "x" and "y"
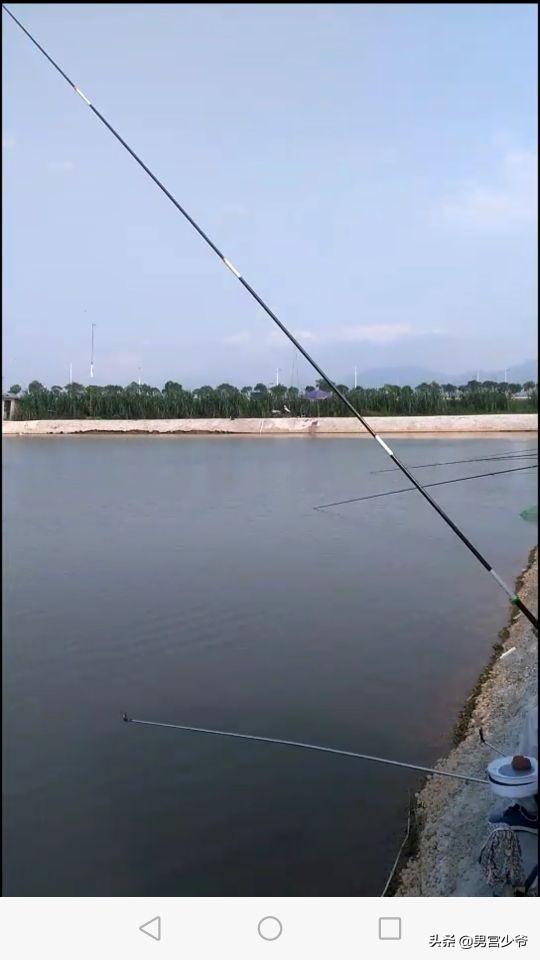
{"x": 152, "y": 928}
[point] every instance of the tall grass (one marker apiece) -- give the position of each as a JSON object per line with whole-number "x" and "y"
{"x": 134, "y": 402}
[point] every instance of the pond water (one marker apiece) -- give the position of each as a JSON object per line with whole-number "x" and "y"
{"x": 191, "y": 580}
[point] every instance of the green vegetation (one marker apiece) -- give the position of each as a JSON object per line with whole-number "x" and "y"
{"x": 134, "y": 402}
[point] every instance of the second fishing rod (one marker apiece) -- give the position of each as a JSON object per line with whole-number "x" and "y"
{"x": 514, "y": 598}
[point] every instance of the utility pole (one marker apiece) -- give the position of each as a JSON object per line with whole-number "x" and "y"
{"x": 355, "y": 377}
{"x": 92, "y": 354}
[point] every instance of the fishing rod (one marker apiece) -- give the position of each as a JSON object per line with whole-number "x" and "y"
{"x": 446, "y": 463}
{"x": 439, "y": 483}
{"x": 514, "y": 598}
{"x": 305, "y": 746}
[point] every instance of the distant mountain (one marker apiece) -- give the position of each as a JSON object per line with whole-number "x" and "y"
{"x": 411, "y": 375}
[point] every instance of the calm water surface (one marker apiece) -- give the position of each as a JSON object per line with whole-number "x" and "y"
{"x": 191, "y": 581}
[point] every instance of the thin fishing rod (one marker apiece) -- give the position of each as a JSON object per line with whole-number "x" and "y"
{"x": 305, "y": 746}
{"x": 439, "y": 483}
{"x": 487, "y": 566}
{"x": 446, "y": 463}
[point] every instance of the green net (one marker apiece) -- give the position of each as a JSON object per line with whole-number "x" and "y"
{"x": 530, "y": 514}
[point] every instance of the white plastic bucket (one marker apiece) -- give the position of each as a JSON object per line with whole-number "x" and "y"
{"x": 512, "y": 784}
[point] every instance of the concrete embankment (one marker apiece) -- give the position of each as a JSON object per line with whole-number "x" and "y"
{"x": 451, "y": 819}
{"x": 284, "y": 426}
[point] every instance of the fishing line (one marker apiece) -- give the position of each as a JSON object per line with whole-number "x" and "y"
{"x": 439, "y": 483}
{"x": 444, "y": 463}
{"x": 230, "y": 266}
{"x": 492, "y": 746}
{"x": 401, "y": 849}
{"x": 305, "y": 746}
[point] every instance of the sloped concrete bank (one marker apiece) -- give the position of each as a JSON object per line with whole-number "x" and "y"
{"x": 284, "y": 426}
{"x": 451, "y": 816}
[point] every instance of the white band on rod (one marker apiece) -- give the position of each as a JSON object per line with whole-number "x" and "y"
{"x": 502, "y": 584}
{"x": 81, "y": 94}
{"x": 383, "y": 444}
{"x": 231, "y": 267}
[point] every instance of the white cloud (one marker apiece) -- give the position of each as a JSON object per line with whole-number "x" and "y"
{"x": 358, "y": 333}
{"x": 508, "y": 203}
{"x": 8, "y": 141}
{"x": 61, "y": 166}
{"x": 340, "y": 334}
{"x": 374, "y": 333}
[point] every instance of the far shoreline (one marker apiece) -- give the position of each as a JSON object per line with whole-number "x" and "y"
{"x": 429, "y": 426}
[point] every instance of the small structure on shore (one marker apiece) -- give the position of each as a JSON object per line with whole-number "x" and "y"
{"x": 316, "y": 395}
{"x": 9, "y": 406}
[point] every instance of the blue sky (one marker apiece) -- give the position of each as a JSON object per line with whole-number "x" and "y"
{"x": 370, "y": 169}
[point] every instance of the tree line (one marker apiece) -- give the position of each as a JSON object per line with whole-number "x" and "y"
{"x": 141, "y": 401}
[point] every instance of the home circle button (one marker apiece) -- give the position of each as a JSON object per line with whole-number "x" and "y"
{"x": 270, "y": 928}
